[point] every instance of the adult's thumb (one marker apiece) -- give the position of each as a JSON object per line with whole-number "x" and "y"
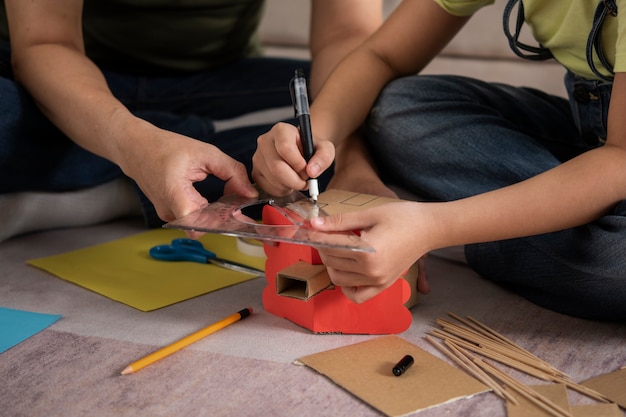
{"x": 240, "y": 185}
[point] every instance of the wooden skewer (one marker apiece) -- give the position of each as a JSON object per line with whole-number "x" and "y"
{"x": 482, "y": 334}
{"x": 586, "y": 391}
{"x": 496, "y": 334}
{"x": 475, "y": 371}
{"x": 499, "y": 336}
{"x": 559, "y": 376}
{"x": 468, "y": 361}
{"x": 482, "y": 330}
{"x": 482, "y": 337}
{"x": 475, "y": 336}
{"x": 505, "y": 350}
{"x": 531, "y": 395}
{"x": 515, "y": 346}
{"x": 530, "y": 369}
{"x": 513, "y": 364}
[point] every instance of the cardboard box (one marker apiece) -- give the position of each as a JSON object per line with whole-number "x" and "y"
{"x": 302, "y": 280}
{"x": 295, "y": 276}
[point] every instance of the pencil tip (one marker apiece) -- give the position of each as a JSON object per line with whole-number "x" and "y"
{"x": 127, "y": 371}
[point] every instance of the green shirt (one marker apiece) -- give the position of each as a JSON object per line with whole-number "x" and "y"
{"x": 167, "y": 35}
{"x": 563, "y": 27}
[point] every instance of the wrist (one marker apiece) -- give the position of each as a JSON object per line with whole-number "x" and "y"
{"x": 131, "y": 140}
{"x": 433, "y": 230}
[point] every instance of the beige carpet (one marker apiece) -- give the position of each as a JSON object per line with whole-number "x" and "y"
{"x": 72, "y": 368}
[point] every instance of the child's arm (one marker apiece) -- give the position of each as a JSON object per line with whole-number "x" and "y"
{"x": 337, "y": 27}
{"x": 408, "y": 40}
{"x": 572, "y": 194}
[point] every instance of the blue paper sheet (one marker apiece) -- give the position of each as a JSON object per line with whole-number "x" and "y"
{"x": 17, "y": 326}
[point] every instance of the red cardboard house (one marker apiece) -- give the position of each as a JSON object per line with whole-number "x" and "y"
{"x": 299, "y": 288}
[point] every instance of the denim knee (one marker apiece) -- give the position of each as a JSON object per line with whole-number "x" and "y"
{"x": 407, "y": 137}
{"x": 393, "y": 123}
{"x": 448, "y": 137}
{"x": 36, "y": 156}
{"x": 572, "y": 292}
{"x": 580, "y": 272}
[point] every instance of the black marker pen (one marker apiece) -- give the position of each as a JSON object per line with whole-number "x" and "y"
{"x": 300, "y": 101}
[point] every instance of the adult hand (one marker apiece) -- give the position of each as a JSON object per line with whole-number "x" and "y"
{"x": 388, "y": 229}
{"x": 167, "y": 170}
{"x": 278, "y": 164}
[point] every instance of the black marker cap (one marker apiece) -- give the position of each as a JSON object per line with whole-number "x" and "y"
{"x": 404, "y": 364}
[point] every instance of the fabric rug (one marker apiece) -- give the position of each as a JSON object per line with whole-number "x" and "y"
{"x": 73, "y": 367}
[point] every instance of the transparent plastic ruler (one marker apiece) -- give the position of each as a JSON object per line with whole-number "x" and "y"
{"x": 240, "y": 216}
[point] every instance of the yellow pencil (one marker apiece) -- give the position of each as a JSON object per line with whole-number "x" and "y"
{"x": 186, "y": 341}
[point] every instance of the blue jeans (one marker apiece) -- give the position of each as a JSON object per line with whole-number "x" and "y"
{"x": 449, "y": 137}
{"x": 36, "y": 156}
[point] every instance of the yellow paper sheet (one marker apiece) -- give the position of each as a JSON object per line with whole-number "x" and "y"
{"x": 124, "y": 271}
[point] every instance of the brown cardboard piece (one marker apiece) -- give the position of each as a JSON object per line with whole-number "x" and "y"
{"x": 302, "y": 280}
{"x": 339, "y": 201}
{"x": 365, "y": 370}
{"x": 596, "y": 410}
{"x": 611, "y": 385}
{"x": 557, "y": 393}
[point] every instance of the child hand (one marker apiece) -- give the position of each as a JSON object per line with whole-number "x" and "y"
{"x": 278, "y": 164}
{"x": 391, "y": 230}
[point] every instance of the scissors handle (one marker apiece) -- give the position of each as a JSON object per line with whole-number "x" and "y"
{"x": 171, "y": 253}
{"x": 194, "y": 246}
{"x": 184, "y": 249}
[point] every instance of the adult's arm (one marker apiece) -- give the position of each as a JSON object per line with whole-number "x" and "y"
{"x": 48, "y": 57}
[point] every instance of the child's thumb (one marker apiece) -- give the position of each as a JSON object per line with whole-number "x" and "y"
{"x": 337, "y": 223}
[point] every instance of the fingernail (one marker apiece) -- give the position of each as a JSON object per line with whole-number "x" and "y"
{"x": 315, "y": 170}
{"x": 317, "y": 221}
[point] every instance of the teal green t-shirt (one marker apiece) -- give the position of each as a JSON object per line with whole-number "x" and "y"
{"x": 167, "y": 35}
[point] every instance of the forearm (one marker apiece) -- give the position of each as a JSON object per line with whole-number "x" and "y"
{"x": 574, "y": 193}
{"x": 72, "y": 92}
{"x": 337, "y": 28}
{"x": 406, "y": 42}
{"x": 347, "y": 97}
{"x": 325, "y": 60}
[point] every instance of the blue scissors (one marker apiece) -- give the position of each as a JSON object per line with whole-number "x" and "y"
{"x": 184, "y": 249}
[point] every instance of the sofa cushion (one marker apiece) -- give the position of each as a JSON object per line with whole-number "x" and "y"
{"x": 480, "y": 50}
